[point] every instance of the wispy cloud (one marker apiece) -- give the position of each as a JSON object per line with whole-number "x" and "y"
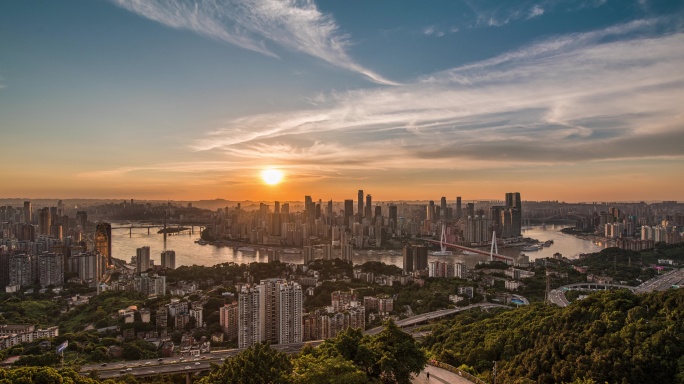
{"x": 567, "y": 100}
{"x": 296, "y": 25}
{"x": 535, "y": 11}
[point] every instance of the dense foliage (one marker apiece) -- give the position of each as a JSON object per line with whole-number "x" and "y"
{"x": 612, "y": 336}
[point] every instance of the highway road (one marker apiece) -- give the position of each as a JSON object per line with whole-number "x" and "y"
{"x": 413, "y": 320}
{"x": 171, "y": 365}
{"x": 659, "y": 283}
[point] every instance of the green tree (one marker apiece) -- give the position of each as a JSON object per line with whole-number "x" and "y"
{"x": 399, "y": 354}
{"x": 310, "y": 369}
{"x": 257, "y": 364}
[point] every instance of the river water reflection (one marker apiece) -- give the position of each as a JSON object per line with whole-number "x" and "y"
{"x": 188, "y": 252}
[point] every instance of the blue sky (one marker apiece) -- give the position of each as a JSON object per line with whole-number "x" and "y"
{"x": 570, "y": 100}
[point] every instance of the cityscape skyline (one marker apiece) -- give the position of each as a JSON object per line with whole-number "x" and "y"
{"x": 174, "y": 100}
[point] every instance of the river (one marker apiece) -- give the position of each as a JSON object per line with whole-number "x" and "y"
{"x": 189, "y": 253}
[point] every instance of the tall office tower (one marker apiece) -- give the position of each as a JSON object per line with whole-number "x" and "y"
{"x": 142, "y": 259}
{"x": 378, "y": 212}
{"x": 20, "y": 270}
{"x": 308, "y": 255}
{"x": 249, "y": 319}
{"x": 28, "y": 212}
{"x": 168, "y": 259}
{"x": 360, "y": 206}
{"x": 408, "y": 258}
{"x": 268, "y": 303}
{"x": 515, "y": 204}
{"x": 103, "y": 240}
{"x": 420, "y": 258}
{"x": 228, "y": 319}
{"x": 393, "y": 217}
{"x": 82, "y": 219}
{"x": 348, "y": 212}
{"x": 310, "y": 209}
{"x": 285, "y": 209}
{"x": 317, "y": 211}
{"x": 276, "y": 207}
{"x": 470, "y": 210}
{"x": 329, "y": 211}
{"x": 289, "y": 313}
{"x": 50, "y": 269}
{"x": 496, "y": 215}
{"x": 44, "y": 221}
{"x": 459, "y": 213}
{"x": 60, "y": 207}
{"x": 369, "y": 212}
{"x": 57, "y": 231}
{"x": 443, "y": 208}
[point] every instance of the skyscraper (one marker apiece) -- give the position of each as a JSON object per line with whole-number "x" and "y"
{"x": 28, "y": 212}
{"x": 459, "y": 213}
{"x": 103, "y": 240}
{"x": 268, "y": 303}
{"x": 514, "y": 203}
{"x": 360, "y": 205}
{"x": 420, "y": 258}
{"x": 393, "y": 217}
{"x": 142, "y": 259}
{"x": 368, "y": 213}
{"x": 408, "y": 259}
{"x": 348, "y": 212}
{"x": 443, "y": 208}
{"x": 45, "y": 221}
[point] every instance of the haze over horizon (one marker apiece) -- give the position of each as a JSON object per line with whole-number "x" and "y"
{"x": 567, "y": 100}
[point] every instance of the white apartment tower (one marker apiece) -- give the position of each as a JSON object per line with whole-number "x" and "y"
{"x": 249, "y": 319}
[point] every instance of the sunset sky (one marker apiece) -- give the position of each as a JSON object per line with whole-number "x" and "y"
{"x": 573, "y": 100}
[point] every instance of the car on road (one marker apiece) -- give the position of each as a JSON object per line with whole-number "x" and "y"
{"x": 129, "y": 369}
{"x": 197, "y": 363}
{"x": 103, "y": 365}
{"x": 187, "y": 367}
{"x": 148, "y": 363}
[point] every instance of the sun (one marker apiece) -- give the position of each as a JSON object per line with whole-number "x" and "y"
{"x": 272, "y": 176}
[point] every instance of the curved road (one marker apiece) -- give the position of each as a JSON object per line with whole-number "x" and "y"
{"x": 658, "y": 283}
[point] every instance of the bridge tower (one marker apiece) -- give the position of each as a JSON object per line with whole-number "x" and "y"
{"x": 494, "y": 249}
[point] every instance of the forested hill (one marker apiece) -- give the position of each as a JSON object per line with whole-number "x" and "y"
{"x": 613, "y": 337}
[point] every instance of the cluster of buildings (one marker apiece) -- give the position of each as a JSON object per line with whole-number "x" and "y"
{"x": 268, "y": 312}
{"x": 14, "y": 334}
{"x": 349, "y": 225}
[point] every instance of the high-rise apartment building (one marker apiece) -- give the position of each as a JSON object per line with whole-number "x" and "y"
{"x": 168, "y": 259}
{"x": 20, "y": 270}
{"x": 443, "y": 208}
{"x": 51, "y": 269}
{"x": 249, "y": 319}
{"x": 228, "y": 319}
{"x": 459, "y": 213}
{"x": 289, "y": 313}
